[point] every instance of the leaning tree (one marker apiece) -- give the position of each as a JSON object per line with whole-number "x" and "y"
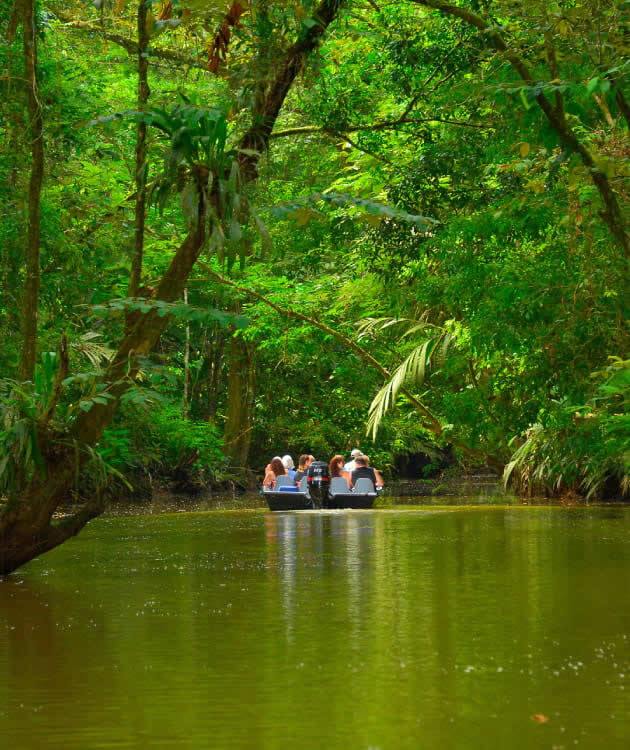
{"x": 213, "y": 168}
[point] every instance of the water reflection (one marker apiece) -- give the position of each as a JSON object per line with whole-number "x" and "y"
{"x": 339, "y": 630}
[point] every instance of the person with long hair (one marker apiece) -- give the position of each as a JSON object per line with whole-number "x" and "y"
{"x": 336, "y": 469}
{"x": 274, "y": 470}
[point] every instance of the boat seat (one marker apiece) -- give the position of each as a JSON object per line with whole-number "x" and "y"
{"x": 339, "y": 486}
{"x": 284, "y": 480}
{"x": 364, "y": 486}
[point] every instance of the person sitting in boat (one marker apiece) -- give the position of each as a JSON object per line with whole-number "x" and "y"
{"x": 336, "y": 468}
{"x": 269, "y": 464}
{"x": 351, "y": 465}
{"x": 289, "y": 466}
{"x": 274, "y": 470}
{"x": 364, "y": 470}
{"x": 303, "y": 463}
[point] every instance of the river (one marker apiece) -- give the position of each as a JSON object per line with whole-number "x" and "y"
{"x": 484, "y": 627}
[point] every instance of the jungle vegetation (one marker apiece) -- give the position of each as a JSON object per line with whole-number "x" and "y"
{"x": 229, "y": 230}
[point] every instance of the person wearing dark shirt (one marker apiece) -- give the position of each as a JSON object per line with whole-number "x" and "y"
{"x": 365, "y": 471}
{"x": 303, "y": 464}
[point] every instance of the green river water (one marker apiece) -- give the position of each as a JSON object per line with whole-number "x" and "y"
{"x": 431, "y": 628}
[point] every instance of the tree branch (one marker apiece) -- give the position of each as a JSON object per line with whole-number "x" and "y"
{"x": 256, "y": 139}
{"x": 431, "y": 422}
{"x": 385, "y": 125}
{"x": 131, "y": 45}
{"x": 612, "y": 214}
{"x": 552, "y": 60}
{"x": 219, "y": 49}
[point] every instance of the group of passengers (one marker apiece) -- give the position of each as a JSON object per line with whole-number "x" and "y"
{"x": 358, "y": 467}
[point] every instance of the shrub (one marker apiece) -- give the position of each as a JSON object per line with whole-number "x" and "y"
{"x": 580, "y": 448}
{"x": 161, "y": 441}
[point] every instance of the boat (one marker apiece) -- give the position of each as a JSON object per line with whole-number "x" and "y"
{"x": 340, "y": 496}
{"x": 286, "y": 496}
{"x": 336, "y": 496}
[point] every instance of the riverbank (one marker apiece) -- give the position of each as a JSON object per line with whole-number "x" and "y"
{"x": 448, "y": 484}
{"x": 173, "y": 504}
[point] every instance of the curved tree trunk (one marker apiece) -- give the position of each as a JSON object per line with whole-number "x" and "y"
{"x": 26, "y": 524}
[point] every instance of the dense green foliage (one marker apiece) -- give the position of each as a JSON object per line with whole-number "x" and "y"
{"x": 415, "y": 199}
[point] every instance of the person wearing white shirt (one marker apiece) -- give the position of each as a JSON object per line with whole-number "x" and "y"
{"x": 351, "y": 465}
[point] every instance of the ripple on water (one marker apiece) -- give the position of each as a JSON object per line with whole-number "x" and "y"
{"x": 392, "y": 629}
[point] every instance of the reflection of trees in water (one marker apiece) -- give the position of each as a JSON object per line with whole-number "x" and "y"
{"x": 318, "y": 550}
{"x": 44, "y": 652}
{"x": 288, "y": 554}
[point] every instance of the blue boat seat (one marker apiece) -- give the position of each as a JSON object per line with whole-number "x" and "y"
{"x": 283, "y": 481}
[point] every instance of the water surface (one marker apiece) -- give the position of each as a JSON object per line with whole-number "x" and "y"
{"x": 456, "y": 628}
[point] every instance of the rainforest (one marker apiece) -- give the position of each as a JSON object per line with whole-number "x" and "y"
{"x": 235, "y": 230}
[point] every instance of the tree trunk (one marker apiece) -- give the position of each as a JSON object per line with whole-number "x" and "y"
{"x": 141, "y": 152}
{"x": 26, "y": 530}
{"x": 240, "y": 395}
{"x": 30, "y": 299}
{"x": 186, "y": 394}
{"x": 210, "y": 373}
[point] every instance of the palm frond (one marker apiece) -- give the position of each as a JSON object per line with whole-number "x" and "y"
{"x": 95, "y": 352}
{"x": 412, "y": 371}
{"x": 369, "y": 327}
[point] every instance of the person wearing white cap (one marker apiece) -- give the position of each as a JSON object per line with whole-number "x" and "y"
{"x": 288, "y": 464}
{"x": 351, "y": 465}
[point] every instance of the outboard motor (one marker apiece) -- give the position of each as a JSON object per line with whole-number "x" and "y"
{"x": 318, "y": 482}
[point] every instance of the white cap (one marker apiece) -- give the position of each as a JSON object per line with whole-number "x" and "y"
{"x": 355, "y": 452}
{"x": 287, "y": 462}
